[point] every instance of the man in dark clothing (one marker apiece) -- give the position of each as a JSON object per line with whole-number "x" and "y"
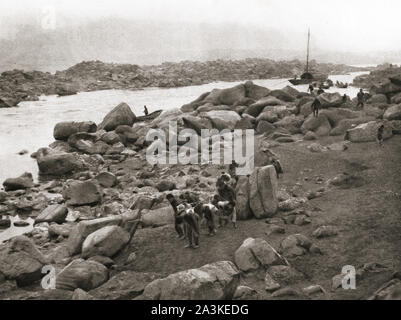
{"x": 145, "y": 111}
{"x": 191, "y": 220}
{"x": 178, "y": 219}
{"x": 380, "y": 135}
{"x": 361, "y": 98}
{"x": 277, "y": 167}
{"x": 227, "y": 193}
{"x": 232, "y": 170}
{"x": 315, "y": 107}
{"x": 310, "y": 89}
{"x": 208, "y": 212}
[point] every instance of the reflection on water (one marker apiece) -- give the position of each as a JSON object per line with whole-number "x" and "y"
{"x": 30, "y": 126}
{"x": 14, "y": 231}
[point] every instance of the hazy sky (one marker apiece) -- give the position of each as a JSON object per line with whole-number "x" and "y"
{"x": 353, "y": 25}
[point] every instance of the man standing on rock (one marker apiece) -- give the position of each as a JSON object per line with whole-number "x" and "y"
{"x": 145, "y": 111}
{"x": 361, "y": 98}
{"x": 380, "y": 135}
{"x": 315, "y": 107}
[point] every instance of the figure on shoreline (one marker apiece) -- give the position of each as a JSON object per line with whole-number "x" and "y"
{"x": 315, "y": 107}
{"x": 380, "y": 135}
{"x": 310, "y": 89}
{"x": 145, "y": 111}
{"x": 361, "y": 98}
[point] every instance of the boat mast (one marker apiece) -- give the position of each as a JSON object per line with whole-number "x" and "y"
{"x": 307, "y": 52}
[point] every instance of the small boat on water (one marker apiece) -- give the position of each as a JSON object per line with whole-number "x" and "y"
{"x": 341, "y": 85}
{"x": 309, "y": 76}
{"x": 150, "y": 116}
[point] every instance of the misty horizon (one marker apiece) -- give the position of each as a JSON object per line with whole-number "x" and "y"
{"x": 54, "y": 35}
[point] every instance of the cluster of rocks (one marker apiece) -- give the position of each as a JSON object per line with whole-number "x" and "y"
{"x": 285, "y": 115}
{"x": 19, "y": 85}
{"x": 97, "y": 186}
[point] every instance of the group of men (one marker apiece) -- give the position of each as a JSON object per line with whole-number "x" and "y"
{"x": 316, "y": 104}
{"x": 190, "y": 213}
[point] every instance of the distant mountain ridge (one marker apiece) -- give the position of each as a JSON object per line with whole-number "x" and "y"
{"x": 148, "y": 43}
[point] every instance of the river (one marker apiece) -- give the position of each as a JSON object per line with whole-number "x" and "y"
{"x": 30, "y": 125}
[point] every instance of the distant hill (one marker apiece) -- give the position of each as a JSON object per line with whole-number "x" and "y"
{"x": 144, "y": 43}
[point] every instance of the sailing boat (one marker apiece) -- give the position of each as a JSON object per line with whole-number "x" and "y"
{"x": 307, "y": 77}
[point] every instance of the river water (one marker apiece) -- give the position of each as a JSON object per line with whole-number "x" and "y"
{"x": 30, "y": 125}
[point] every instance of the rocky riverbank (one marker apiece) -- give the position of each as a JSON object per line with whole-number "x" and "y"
{"x": 97, "y": 187}
{"x": 18, "y": 85}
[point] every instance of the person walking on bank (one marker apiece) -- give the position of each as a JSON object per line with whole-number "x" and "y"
{"x": 145, "y": 111}
{"x": 361, "y": 99}
{"x": 380, "y": 135}
{"x": 315, "y": 107}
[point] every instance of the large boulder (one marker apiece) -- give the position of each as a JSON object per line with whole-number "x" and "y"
{"x": 211, "y": 107}
{"x": 387, "y": 87}
{"x": 346, "y": 124}
{"x": 223, "y": 119}
{"x": 263, "y": 192}
{"x": 328, "y": 100}
{"x": 393, "y": 113}
{"x": 53, "y": 213}
{"x": 24, "y": 181}
{"x": 106, "y": 242}
{"x": 378, "y": 98}
{"x": 20, "y": 260}
{"x": 256, "y": 253}
{"x": 254, "y": 91}
{"x": 227, "y": 96}
{"x": 335, "y": 115}
{"x": 320, "y": 125}
{"x": 268, "y": 115}
{"x": 396, "y": 99}
{"x": 85, "y": 275}
{"x": 125, "y": 285}
{"x": 242, "y": 198}
{"x": 197, "y": 123}
{"x": 215, "y": 281}
{"x": 63, "y": 130}
{"x": 368, "y": 132}
{"x": 106, "y": 179}
{"x": 265, "y": 127}
{"x": 84, "y": 228}
{"x": 306, "y": 109}
{"x": 127, "y": 134}
{"x": 295, "y": 245}
{"x": 120, "y": 115}
{"x": 158, "y": 217}
{"x": 282, "y": 95}
{"x": 54, "y": 163}
{"x": 79, "y": 193}
{"x": 192, "y": 106}
{"x": 245, "y": 123}
{"x": 291, "y": 123}
{"x": 256, "y": 108}
{"x": 110, "y": 137}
